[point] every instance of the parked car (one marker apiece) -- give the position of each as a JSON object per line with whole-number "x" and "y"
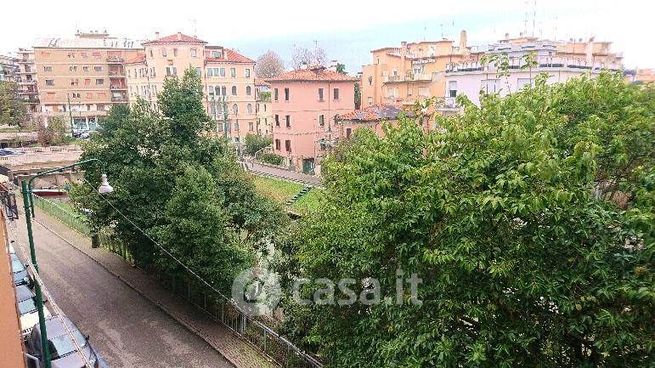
{"x": 29, "y": 316}
{"x": 63, "y": 340}
{"x": 21, "y": 277}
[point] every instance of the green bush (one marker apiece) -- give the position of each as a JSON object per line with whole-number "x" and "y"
{"x": 271, "y": 158}
{"x": 255, "y": 143}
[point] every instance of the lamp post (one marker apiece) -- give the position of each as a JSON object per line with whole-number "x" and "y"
{"x": 29, "y": 213}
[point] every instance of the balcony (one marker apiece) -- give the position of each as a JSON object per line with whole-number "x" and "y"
{"x": 117, "y": 74}
{"x": 117, "y": 87}
{"x": 115, "y": 60}
{"x": 118, "y": 98}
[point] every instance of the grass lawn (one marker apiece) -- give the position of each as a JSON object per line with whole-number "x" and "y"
{"x": 282, "y": 190}
{"x": 279, "y": 190}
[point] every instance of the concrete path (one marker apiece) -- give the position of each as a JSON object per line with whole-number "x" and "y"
{"x": 259, "y": 169}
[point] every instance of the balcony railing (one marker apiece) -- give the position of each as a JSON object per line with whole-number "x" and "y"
{"x": 118, "y": 98}
{"x": 117, "y": 87}
{"x": 117, "y": 73}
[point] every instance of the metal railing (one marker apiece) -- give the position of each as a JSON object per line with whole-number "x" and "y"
{"x": 217, "y": 306}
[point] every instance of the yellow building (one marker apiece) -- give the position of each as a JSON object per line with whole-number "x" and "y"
{"x": 228, "y": 79}
{"x": 81, "y": 78}
{"x": 410, "y": 72}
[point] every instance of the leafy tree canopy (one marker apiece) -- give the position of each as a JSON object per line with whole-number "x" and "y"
{"x": 12, "y": 108}
{"x": 180, "y": 186}
{"x": 529, "y": 219}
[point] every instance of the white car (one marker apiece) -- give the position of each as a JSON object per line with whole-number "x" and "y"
{"x": 29, "y": 317}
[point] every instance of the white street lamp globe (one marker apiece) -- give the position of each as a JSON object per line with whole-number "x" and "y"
{"x": 104, "y": 187}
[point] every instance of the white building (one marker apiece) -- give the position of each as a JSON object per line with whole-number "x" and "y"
{"x": 472, "y": 78}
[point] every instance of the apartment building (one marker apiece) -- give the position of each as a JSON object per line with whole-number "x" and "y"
{"x": 411, "y": 72}
{"x": 305, "y": 106}
{"x": 227, "y": 77}
{"x": 8, "y": 68}
{"x": 26, "y": 79}
{"x": 264, "y": 112}
{"x": 81, "y": 78}
{"x": 561, "y": 61}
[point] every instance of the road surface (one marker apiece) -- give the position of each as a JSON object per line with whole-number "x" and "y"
{"x": 126, "y": 329}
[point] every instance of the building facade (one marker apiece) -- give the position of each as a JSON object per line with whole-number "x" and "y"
{"x": 27, "y": 80}
{"x": 227, "y": 77}
{"x": 83, "y": 77}
{"x": 411, "y": 72}
{"x": 305, "y": 106}
{"x": 473, "y": 77}
{"x": 8, "y": 68}
{"x": 264, "y": 112}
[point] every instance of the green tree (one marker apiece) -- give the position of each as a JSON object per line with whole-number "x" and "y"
{"x": 53, "y": 132}
{"x": 151, "y": 156}
{"x": 524, "y": 260}
{"x": 255, "y": 142}
{"x": 12, "y": 108}
{"x": 358, "y": 95}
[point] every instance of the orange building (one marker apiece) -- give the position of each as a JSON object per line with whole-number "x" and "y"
{"x": 81, "y": 78}
{"x": 227, "y": 77}
{"x": 411, "y": 72}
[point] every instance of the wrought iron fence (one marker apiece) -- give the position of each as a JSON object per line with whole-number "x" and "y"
{"x": 217, "y": 306}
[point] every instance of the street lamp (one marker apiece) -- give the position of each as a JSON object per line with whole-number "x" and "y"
{"x": 29, "y": 213}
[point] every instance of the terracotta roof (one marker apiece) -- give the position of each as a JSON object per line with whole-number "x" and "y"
{"x": 312, "y": 74}
{"x": 374, "y": 113}
{"x": 232, "y": 57}
{"x": 136, "y": 59}
{"x": 261, "y": 82}
{"x": 175, "y": 38}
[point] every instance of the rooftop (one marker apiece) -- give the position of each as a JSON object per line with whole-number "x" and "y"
{"x": 179, "y": 37}
{"x": 315, "y": 74}
{"x": 87, "y": 43}
{"x": 373, "y": 113}
{"x": 229, "y": 56}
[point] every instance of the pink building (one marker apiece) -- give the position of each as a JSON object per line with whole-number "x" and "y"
{"x": 305, "y": 105}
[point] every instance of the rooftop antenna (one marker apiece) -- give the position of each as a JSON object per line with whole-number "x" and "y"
{"x": 194, "y": 25}
{"x": 534, "y": 15}
{"x": 441, "y": 26}
{"x": 525, "y": 18}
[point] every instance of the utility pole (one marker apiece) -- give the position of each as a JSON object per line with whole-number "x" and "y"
{"x": 224, "y": 117}
{"x": 70, "y": 113}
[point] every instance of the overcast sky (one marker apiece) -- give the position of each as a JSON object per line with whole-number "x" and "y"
{"x": 346, "y": 29}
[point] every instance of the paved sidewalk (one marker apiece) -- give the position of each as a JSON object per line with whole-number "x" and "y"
{"x": 259, "y": 169}
{"x": 237, "y": 351}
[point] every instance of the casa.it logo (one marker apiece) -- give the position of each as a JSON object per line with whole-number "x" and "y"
{"x": 256, "y": 291}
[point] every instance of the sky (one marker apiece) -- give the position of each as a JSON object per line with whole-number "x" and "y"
{"x": 346, "y": 29}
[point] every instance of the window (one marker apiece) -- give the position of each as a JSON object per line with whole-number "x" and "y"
{"x": 286, "y": 94}
{"x": 370, "y": 101}
{"x": 174, "y": 52}
{"x": 275, "y": 94}
{"x": 97, "y": 68}
{"x": 100, "y": 82}
{"x": 85, "y": 68}
{"x": 251, "y": 126}
{"x": 47, "y": 68}
{"x": 277, "y": 119}
{"x": 222, "y": 72}
{"x": 321, "y": 120}
{"x": 218, "y": 90}
{"x": 151, "y": 55}
{"x": 287, "y": 145}
{"x": 349, "y": 132}
{"x": 452, "y": 89}
{"x": 522, "y": 82}
{"x": 287, "y": 120}
{"x": 277, "y": 144}
{"x": 87, "y": 82}
{"x": 72, "y": 68}
{"x": 210, "y": 72}
{"x": 224, "y": 91}
{"x": 171, "y": 70}
{"x": 49, "y": 82}
{"x": 163, "y": 52}
{"x": 216, "y": 54}
{"x": 336, "y": 94}
{"x": 75, "y": 82}
{"x": 234, "y": 90}
{"x": 249, "y": 108}
{"x": 194, "y": 52}
{"x": 248, "y": 90}
{"x": 198, "y": 71}
{"x": 320, "y": 94}
{"x": 489, "y": 85}
{"x": 233, "y": 72}
{"x": 247, "y": 73}
{"x": 235, "y": 109}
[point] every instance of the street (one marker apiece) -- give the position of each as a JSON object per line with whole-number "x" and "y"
{"x": 126, "y": 329}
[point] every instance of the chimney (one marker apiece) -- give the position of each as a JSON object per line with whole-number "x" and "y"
{"x": 333, "y": 65}
{"x": 463, "y": 40}
{"x": 507, "y": 35}
{"x": 156, "y": 35}
{"x": 179, "y": 36}
{"x": 303, "y": 66}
